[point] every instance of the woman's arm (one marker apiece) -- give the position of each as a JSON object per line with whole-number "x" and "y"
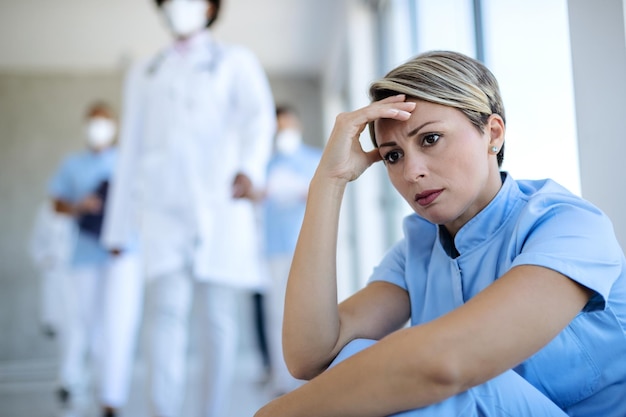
{"x": 496, "y": 330}
{"x": 315, "y": 328}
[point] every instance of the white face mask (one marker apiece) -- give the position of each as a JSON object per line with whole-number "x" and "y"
{"x": 100, "y": 132}
{"x": 186, "y": 17}
{"x": 288, "y": 141}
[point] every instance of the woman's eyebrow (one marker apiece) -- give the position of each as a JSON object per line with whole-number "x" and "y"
{"x": 410, "y": 133}
{"x": 420, "y": 127}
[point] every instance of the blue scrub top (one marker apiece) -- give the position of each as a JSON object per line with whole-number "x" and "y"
{"x": 282, "y": 222}
{"x": 583, "y": 370}
{"x": 79, "y": 175}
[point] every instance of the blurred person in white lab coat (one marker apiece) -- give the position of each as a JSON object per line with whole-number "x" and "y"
{"x": 196, "y": 137}
{"x": 50, "y": 247}
{"x": 105, "y": 291}
{"x": 289, "y": 172}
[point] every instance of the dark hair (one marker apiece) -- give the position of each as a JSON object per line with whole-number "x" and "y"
{"x": 285, "y": 109}
{"x": 99, "y": 107}
{"x": 216, "y": 8}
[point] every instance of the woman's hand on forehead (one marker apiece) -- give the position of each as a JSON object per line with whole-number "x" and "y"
{"x": 344, "y": 158}
{"x": 394, "y": 107}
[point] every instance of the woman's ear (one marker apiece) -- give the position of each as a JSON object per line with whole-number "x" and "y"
{"x": 495, "y": 128}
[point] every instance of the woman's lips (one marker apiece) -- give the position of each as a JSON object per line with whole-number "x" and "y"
{"x": 427, "y": 197}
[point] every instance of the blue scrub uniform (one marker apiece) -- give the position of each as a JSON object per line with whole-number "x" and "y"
{"x": 105, "y": 301}
{"x": 583, "y": 370}
{"x": 79, "y": 176}
{"x": 283, "y": 219}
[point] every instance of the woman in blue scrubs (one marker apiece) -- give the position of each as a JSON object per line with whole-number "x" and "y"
{"x": 515, "y": 290}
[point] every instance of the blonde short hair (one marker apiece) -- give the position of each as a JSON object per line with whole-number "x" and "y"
{"x": 447, "y": 78}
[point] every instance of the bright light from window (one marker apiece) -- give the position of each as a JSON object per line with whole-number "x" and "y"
{"x": 527, "y": 47}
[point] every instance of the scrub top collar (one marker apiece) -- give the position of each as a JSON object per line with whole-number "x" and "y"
{"x": 96, "y": 155}
{"x": 487, "y": 222}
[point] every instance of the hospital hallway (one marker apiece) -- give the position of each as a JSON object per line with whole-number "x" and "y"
{"x": 28, "y": 380}
{"x": 560, "y": 66}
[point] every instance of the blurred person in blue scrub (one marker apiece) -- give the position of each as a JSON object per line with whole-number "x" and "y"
{"x": 291, "y": 168}
{"x": 198, "y": 125}
{"x": 104, "y": 291}
{"x": 515, "y": 290}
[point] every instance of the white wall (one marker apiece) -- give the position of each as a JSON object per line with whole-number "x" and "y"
{"x": 289, "y": 37}
{"x": 527, "y": 47}
{"x": 77, "y": 35}
{"x": 445, "y": 24}
{"x": 599, "y": 63}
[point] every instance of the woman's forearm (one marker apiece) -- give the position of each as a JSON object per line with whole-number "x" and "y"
{"x": 378, "y": 381}
{"x": 311, "y": 323}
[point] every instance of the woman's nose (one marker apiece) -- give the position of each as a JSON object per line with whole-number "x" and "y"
{"x": 414, "y": 167}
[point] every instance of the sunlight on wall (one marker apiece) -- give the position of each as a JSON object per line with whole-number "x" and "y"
{"x": 528, "y": 49}
{"x": 445, "y": 24}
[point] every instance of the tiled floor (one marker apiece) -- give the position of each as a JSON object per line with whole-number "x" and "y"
{"x": 27, "y": 390}
{"x": 28, "y": 369}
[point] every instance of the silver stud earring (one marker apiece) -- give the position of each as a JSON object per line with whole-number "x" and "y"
{"x": 494, "y": 149}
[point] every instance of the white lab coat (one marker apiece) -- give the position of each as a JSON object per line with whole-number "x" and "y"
{"x": 188, "y": 127}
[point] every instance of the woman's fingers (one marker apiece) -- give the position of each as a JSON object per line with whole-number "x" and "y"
{"x": 394, "y": 107}
{"x": 392, "y": 99}
{"x": 344, "y": 157}
{"x": 352, "y": 124}
{"x": 397, "y": 103}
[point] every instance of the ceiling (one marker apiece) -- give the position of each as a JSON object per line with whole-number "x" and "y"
{"x": 288, "y": 36}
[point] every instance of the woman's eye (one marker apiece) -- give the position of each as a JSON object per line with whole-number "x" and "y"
{"x": 392, "y": 157}
{"x": 430, "y": 139}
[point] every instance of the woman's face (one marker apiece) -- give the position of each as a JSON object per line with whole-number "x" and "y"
{"x": 440, "y": 162}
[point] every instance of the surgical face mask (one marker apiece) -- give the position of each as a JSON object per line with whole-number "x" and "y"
{"x": 287, "y": 141}
{"x": 186, "y": 17}
{"x": 100, "y": 132}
